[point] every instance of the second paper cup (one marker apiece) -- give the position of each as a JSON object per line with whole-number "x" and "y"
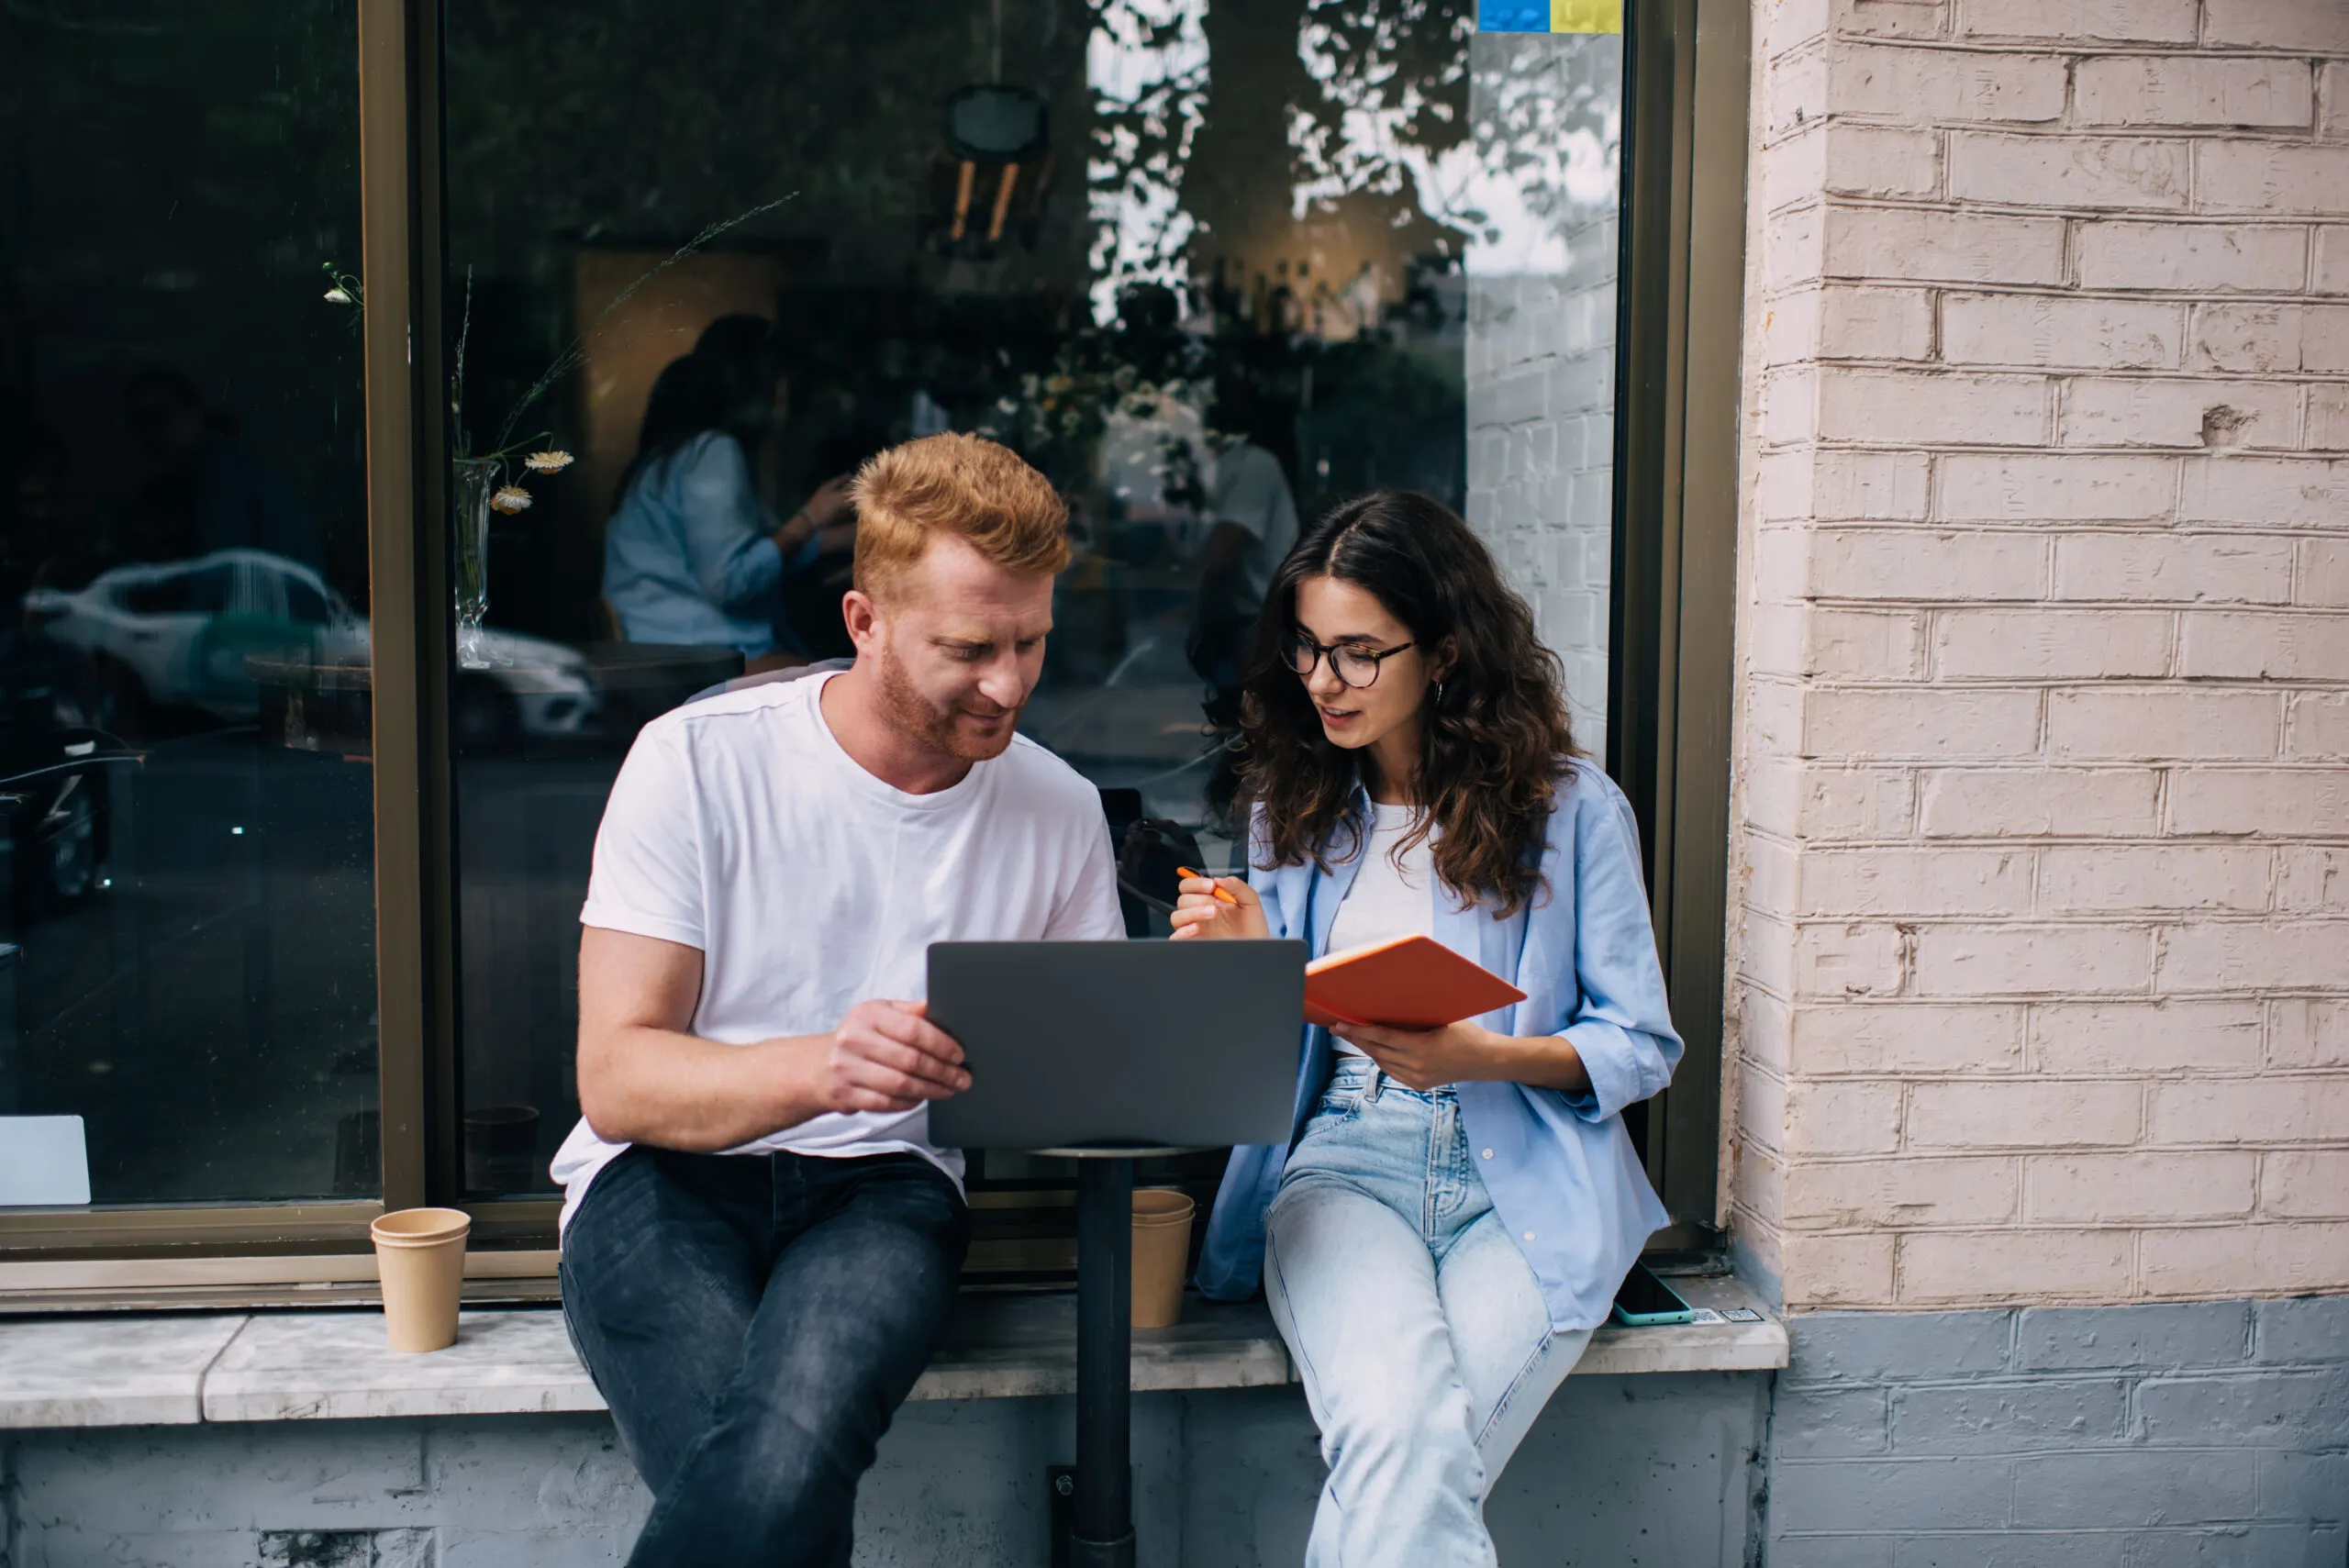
{"x": 1162, "y": 1248}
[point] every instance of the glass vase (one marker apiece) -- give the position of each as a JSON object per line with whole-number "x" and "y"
{"x": 476, "y": 482}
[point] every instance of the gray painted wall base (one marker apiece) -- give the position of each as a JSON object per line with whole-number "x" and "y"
{"x": 2201, "y": 1435}
{"x": 1652, "y": 1470}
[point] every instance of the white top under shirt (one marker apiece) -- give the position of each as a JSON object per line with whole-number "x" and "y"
{"x": 739, "y": 826}
{"x": 1386, "y": 900}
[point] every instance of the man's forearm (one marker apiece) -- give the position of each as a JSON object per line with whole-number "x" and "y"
{"x": 640, "y": 1085}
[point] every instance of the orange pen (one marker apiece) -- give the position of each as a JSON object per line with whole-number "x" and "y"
{"x": 1219, "y": 893}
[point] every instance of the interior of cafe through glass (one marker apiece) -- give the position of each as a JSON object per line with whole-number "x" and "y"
{"x": 1211, "y": 266}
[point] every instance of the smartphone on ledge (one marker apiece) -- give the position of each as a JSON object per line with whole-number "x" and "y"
{"x": 1643, "y": 1301}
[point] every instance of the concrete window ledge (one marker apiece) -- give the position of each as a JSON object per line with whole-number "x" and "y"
{"x": 328, "y": 1365}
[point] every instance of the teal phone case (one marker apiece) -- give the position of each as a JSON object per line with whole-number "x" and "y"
{"x": 1682, "y": 1314}
{"x": 1652, "y": 1319}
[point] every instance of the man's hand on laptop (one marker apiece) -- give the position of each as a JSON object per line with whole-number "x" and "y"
{"x": 888, "y": 1056}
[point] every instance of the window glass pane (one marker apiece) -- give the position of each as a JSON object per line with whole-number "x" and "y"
{"x": 1211, "y": 266}
{"x": 188, "y": 850}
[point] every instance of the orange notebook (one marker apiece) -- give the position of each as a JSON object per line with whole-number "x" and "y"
{"x": 1404, "y": 982}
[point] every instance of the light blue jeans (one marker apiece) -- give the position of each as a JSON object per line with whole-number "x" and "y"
{"x": 1420, "y": 1330}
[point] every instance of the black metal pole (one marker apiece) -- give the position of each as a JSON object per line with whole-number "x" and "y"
{"x": 1104, "y": 1533}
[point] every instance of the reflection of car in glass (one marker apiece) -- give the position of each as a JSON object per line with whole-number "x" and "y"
{"x": 53, "y": 782}
{"x": 178, "y": 634}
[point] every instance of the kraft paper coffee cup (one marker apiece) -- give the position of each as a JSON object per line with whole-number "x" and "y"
{"x": 420, "y": 1257}
{"x": 1162, "y": 1248}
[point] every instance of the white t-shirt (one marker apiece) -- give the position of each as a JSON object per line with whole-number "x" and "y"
{"x": 1251, "y": 493}
{"x": 738, "y": 826}
{"x": 1387, "y": 901}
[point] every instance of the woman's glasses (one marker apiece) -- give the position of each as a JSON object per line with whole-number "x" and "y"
{"x": 1356, "y": 667}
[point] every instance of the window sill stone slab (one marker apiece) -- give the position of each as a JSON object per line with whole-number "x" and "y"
{"x": 1693, "y": 1346}
{"x": 331, "y": 1365}
{"x": 108, "y": 1371}
{"x": 336, "y": 1366}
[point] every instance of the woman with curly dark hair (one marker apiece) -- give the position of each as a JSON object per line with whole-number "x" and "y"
{"x": 1455, "y": 1207}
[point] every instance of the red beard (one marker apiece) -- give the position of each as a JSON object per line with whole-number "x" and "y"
{"x": 914, "y": 715}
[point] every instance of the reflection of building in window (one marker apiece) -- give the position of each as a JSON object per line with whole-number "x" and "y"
{"x": 1546, "y": 133}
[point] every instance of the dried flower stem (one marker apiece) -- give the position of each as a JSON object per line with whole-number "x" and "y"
{"x": 457, "y": 375}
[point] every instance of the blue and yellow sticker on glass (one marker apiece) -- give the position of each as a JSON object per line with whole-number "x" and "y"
{"x": 1549, "y": 15}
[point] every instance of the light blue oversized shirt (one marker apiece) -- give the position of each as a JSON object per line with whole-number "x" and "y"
{"x": 1563, "y": 1176}
{"x": 689, "y": 558}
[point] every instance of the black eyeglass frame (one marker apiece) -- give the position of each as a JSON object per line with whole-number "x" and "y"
{"x": 1298, "y": 643}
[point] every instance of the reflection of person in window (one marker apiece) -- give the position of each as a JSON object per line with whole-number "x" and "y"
{"x": 210, "y": 491}
{"x": 1252, "y": 515}
{"x": 761, "y": 1244}
{"x": 1458, "y": 1205}
{"x": 1252, "y": 523}
{"x": 692, "y": 555}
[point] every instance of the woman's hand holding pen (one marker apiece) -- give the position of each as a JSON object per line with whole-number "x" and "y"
{"x": 1217, "y": 906}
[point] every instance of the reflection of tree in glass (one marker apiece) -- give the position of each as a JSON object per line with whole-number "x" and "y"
{"x": 1147, "y": 66}
{"x": 1392, "y": 75}
{"x": 1090, "y": 379}
{"x": 1547, "y": 125}
{"x": 1507, "y": 140}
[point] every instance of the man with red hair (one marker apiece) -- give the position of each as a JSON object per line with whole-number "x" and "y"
{"x": 761, "y": 1244}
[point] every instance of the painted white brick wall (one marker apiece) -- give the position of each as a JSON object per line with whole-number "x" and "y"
{"x": 2041, "y": 871}
{"x": 1541, "y": 358}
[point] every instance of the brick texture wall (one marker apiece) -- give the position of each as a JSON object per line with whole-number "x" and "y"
{"x": 2186, "y": 1435}
{"x": 2041, "y": 874}
{"x": 1541, "y": 340}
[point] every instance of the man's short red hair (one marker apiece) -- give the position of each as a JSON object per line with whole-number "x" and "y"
{"x": 961, "y": 485}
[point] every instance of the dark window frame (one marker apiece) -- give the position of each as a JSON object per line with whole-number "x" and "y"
{"x": 1670, "y": 671}
{"x": 1684, "y": 160}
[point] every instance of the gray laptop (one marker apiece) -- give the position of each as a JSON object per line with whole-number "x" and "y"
{"x": 1119, "y": 1042}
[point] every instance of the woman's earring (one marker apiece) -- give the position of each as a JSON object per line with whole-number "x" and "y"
{"x": 1439, "y": 693}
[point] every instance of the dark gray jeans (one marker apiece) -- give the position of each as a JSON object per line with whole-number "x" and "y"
{"x": 754, "y": 1320}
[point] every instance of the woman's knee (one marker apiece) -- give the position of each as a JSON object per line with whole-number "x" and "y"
{"x": 1375, "y": 1414}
